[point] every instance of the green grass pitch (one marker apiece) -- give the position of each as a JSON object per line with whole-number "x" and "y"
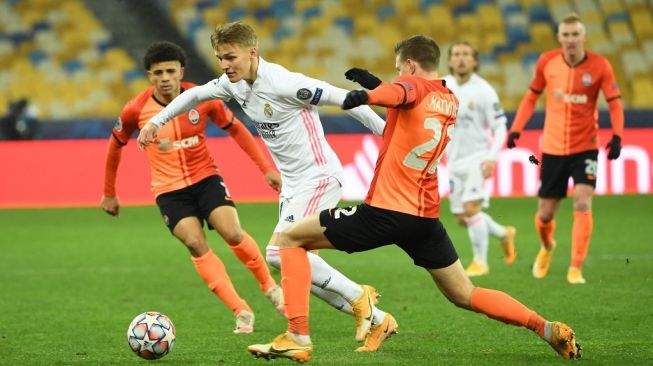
{"x": 71, "y": 280}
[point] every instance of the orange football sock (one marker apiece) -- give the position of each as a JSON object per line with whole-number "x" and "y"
{"x": 250, "y": 255}
{"x": 212, "y": 270}
{"x": 296, "y": 284}
{"x": 545, "y": 230}
{"x": 581, "y": 233}
{"x": 501, "y": 306}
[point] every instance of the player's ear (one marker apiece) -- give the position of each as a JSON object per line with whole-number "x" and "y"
{"x": 181, "y": 72}
{"x": 150, "y": 76}
{"x": 253, "y": 52}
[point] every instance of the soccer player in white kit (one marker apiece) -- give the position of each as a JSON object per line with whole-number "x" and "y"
{"x": 472, "y": 154}
{"x": 283, "y": 107}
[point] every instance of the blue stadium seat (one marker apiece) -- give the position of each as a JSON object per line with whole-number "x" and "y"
{"x": 236, "y": 13}
{"x": 384, "y": 12}
{"x": 37, "y": 56}
{"x": 346, "y": 23}
{"x": 539, "y": 13}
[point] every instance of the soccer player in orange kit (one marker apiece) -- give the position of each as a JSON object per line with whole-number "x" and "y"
{"x": 573, "y": 78}
{"x": 186, "y": 182}
{"x": 401, "y": 207}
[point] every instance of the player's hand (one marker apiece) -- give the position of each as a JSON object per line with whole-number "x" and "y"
{"x": 274, "y": 180}
{"x": 487, "y": 168}
{"x": 147, "y": 135}
{"x": 512, "y": 138}
{"x": 365, "y": 78}
{"x": 354, "y": 99}
{"x": 615, "y": 147}
{"x": 111, "y": 205}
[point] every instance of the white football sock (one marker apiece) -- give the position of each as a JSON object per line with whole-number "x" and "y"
{"x": 497, "y": 230}
{"x": 477, "y": 228}
{"x": 324, "y": 277}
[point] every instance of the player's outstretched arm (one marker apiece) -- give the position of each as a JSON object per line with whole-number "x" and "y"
{"x": 363, "y": 114}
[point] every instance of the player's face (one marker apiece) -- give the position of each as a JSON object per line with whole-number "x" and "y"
{"x": 462, "y": 60}
{"x": 236, "y": 61}
{"x": 166, "y": 76}
{"x": 572, "y": 38}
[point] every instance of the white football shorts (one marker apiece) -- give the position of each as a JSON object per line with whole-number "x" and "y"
{"x": 315, "y": 196}
{"x": 467, "y": 184}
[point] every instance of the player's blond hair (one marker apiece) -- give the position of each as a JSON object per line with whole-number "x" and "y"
{"x": 571, "y": 19}
{"x": 421, "y": 49}
{"x": 234, "y": 33}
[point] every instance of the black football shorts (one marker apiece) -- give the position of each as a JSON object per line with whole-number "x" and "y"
{"x": 199, "y": 200}
{"x": 363, "y": 227}
{"x": 556, "y": 169}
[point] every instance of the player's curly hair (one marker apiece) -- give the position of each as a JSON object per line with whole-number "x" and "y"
{"x": 475, "y": 54}
{"x": 421, "y": 49}
{"x": 163, "y": 51}
{"x": 234, "y": 33}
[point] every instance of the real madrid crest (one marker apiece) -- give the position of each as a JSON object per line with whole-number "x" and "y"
{"x": 267, "y": 110}
{"x": 194, "y": 116}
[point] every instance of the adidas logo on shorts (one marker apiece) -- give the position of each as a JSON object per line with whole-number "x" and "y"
{"x": 290, "y": 218}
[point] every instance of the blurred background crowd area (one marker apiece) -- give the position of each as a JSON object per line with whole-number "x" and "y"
{"x": 81, "y": 59}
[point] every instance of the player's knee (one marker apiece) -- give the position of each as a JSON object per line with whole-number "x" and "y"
{"x": 233, "y": 236}
{"x": 459, "y": 299}
{"x": 196, "y": 245}
{"x": 272, "y": 256}
{"x": 288, "y": 239}
{"x": 582, "y": 206}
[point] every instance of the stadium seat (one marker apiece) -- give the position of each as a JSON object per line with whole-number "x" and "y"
{"x": 620, "y": 34}
{"x": 642, "y": 91}
{"x": 634, "y": 63}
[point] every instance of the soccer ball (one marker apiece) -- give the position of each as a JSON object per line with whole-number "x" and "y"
{"x": 151, "y": 335}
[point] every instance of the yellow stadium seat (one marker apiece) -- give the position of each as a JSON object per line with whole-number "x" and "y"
{"x": 621, "y": 34}
{"x": 490, "y": 17}
{"x": 468, "y": 23}
{"x": 642, "y": 92}
{"x": 611, "y": 6}
{"x": 642, "y": 23}
{"x": 491, "y": 40}
{"x": 541, "y": 32}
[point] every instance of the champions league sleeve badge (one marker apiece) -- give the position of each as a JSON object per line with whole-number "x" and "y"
{"x": 304, "y": 94}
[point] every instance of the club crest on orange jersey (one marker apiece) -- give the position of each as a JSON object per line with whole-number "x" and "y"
{"x": 194, "y": 116}
{"x": 586, "y": 79}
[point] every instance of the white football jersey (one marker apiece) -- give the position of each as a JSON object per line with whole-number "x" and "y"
{"x": 481, "y": 125}
{"x": 283, "y": 107}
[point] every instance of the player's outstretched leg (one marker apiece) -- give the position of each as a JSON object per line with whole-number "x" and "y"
{"x": 501, "y": 306}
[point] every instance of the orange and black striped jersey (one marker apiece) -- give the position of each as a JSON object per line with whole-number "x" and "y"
{"x": 180, "y": 156}
{"x": 571, "y": 120}
{"x": 421, "y": 114}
